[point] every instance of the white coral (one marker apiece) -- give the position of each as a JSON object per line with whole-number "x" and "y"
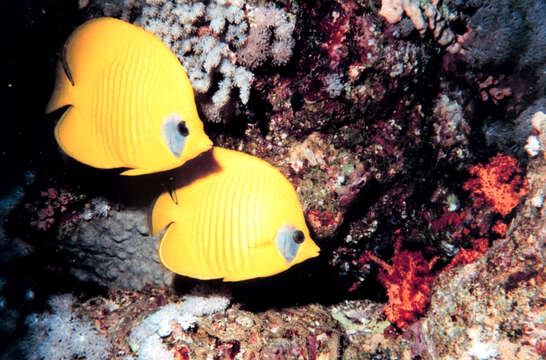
{"x": 147, "y": 335}
{"x": 59, "y": 334}
{"x": 207, "y": 35}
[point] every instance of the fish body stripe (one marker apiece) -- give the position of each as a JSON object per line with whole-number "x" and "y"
{"x": 119, "y": 128}
{"x": 225, "y": 224}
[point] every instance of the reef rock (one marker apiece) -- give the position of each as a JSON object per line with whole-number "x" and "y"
{"x": 114, "y": 249}
{"x": 495, "y": 307}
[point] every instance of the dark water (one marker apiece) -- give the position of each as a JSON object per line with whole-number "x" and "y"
{"x": 34, "y": 31}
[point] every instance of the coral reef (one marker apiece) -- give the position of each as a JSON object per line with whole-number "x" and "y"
{"x": 451, "y": 129}
{"x": 504, "y": 30}
{"x": 307, "y": 332}
{"x": 226, "y": 39}
{"x": 146, "y": 337}
{"x": 497, "y": 303}
{"x": 55, "y": 208}
{"x": 414, "y": 136}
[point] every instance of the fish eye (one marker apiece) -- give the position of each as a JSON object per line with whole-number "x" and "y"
{"x": 298, "y": 237}
{"x": 183, "y": 129}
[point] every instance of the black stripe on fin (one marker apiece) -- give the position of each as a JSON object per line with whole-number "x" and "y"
{"x": 66, "y": 68}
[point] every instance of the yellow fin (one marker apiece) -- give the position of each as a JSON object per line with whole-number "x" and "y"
{"x": 162, "y": 214}
{"x": 73, "y": 134}
{"x": 134, "y": 172}
{"x": 178, "y": 253}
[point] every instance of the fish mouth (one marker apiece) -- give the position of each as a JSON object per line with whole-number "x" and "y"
{"x": 313, "y": 249}
{"x": 205, "y": 144}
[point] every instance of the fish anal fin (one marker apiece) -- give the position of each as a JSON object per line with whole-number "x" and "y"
{"x": 74, "y": 136}
{"x": 162, "y": 213}
{"x": 178, "y": 253}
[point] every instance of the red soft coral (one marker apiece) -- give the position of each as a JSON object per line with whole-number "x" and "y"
{"x": 499, "y": 184}
{"x": 407, "y": 282}
{"x": 467, "y": 256}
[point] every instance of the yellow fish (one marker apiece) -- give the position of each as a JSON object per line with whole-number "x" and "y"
{"x": 130, "y": 102}
{"x": 241, "y": 220}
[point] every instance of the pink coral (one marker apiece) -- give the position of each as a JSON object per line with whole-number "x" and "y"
{"x": 54, "y": 204}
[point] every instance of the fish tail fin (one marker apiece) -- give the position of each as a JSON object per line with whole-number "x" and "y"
{"x": 162, "y": 213}
{"x": 62, "y": 93}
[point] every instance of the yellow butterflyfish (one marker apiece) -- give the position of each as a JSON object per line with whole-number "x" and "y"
{"x": 241, "y": 220}
{"x": 130, "y": 102}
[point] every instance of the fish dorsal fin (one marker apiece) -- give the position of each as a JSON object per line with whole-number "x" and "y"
{"x": 66, "y": 67}
{"x": 73, "y": 134}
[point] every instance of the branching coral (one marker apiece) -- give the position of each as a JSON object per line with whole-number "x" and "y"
{"x": 499, "y": 184}
{"x": 146, "y": 337}
{"x": 219, "y": 42}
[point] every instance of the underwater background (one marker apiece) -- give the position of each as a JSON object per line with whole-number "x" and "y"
{"x": 411, "y": 131}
